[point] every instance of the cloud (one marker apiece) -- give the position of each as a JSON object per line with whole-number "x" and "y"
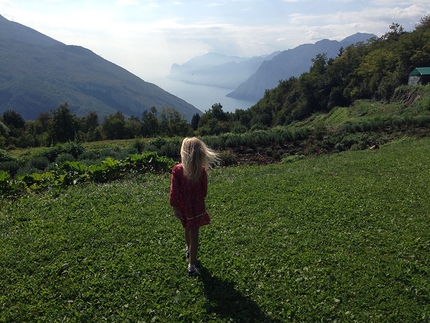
{"x": 127, "y": 3}
{"x": 147, "y": 41}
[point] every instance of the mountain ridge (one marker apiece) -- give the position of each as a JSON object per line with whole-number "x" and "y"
{"x": 38, "y": 74}
{"x": 214, "y": 69}
{"x": 249, "y": 77}
{"x": 290, "y": 63}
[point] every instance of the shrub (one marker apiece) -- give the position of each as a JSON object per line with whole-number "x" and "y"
{"x": 150, "y": 148}
{"x": 27, "y": 170}
{"x": 171, "y": 149}
{"x": 232, "y": 140}
{"x": 124, "y": 153}
{"x": 261, "y": 137}
{"x": 88, "y": 155}
{"x": 239, "y": 129}
{"x": 72, "y": 148}
{"x": 228, "y": 158}
{"x": 62, "y": 158}
{"x": 51, "y": 153}
{"x": 157, "y": 142}
{"x": 11, "y": 167}
{"x": 110, "y": 152}
{"x": 5, "y": 156}
{"x": 39, "y": 163}
{"x": 139, "y": 144}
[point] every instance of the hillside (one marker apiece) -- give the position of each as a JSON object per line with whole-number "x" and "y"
{"x": 291, "y": 62}
{"x": 214, "y": 69}
{"x": 38, "y": 74}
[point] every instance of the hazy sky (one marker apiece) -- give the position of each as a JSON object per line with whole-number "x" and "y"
{"x": 147, "y": 36}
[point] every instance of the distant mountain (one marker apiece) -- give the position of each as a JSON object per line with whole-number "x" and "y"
{"x": 288, "y": 63}
{"x": 38, "y": 73}
{"x": 213, "y": 69}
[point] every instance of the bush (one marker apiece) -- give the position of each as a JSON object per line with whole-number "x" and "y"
{"x": 72, "y": 148}
{"x": 88, "y": 155}
{"x": 171, "y": 149}
{"x": 157, "y": 142}
{"x": 11, "y": 167}
{"x": 5, "y": 156}
{"x": 110, "y": 152}
{"x": 151, "y": 148}
{"x": 27, "y": 170}
{"x": 122, "y": 154}
{"x": 139, "y": 144}
{"x": 239, "y": 129}
{"x": 232, "y": 140}
{"x": 228, "y": 158}
{"x": 62, "y": 158}
{"x": 39, "y": 163}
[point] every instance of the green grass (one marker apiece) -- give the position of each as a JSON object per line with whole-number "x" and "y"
{"x": 342, "y": 237}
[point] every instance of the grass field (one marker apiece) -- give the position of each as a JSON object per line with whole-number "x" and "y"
{"x": 339, "y": 238}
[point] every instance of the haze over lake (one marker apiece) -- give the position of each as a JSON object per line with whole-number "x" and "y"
{"x": 201, "y": 96}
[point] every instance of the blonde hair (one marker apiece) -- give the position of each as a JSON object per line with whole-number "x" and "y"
{"x": 194, "y": 155}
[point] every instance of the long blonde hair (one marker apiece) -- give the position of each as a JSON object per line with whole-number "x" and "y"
{"x": 194, "y": 155}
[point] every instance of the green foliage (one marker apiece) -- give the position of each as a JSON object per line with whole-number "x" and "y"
{"x": 39, "y": 162}
{"x": 338, "y": 238}
{"x": 64, "y": 126}
{"x": 64, "y": 157}
{"x": 11, "y": 166}
{"x": 363, "y": 71}
{"x": 139, "y": 144}
{"x": 228, "y": 158}
{"x": 74, "y": 172}
{"x": 291, "y": 159}
{"x": 13, "y": 119}
{"x": 5, "y": 156}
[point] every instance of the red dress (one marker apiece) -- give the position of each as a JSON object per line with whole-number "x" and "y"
{"x": 189, "y": 197}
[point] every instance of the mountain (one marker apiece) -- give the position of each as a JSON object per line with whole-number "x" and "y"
{"x": 38, "y": 73}
{"x": 288, "y": 63}
{"x": 214, "y": 69}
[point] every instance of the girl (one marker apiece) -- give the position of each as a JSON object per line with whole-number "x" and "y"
{"x": 188, "y": 191}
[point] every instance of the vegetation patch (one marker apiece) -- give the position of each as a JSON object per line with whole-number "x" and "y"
{"x": 341, "y": 237}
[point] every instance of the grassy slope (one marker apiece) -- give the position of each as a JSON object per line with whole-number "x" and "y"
{"x": 340, "y": 237}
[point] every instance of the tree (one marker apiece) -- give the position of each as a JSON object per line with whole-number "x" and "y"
{"x": 90, "y": 122}
{"x": 14, "y": 119}
{"x": 172, "y": 123}
{"x": 64, "y": 126}
{"x": 195, "y": 121}
{"x": 113, "y": 126}
{"x": 45, "y": 120}
{"x": 4, "y": 130}
{"x": 133, "y": 127}
{"x": 395, "y": 31}
{"x": 214, "y": 121}
{"x": 150, "y": 124}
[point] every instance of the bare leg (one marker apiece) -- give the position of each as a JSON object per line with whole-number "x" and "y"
{"x": 194, "y": 245}
{"x": 187, "y": 237}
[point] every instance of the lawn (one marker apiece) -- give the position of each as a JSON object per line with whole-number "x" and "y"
{"x": 341, "y": 237}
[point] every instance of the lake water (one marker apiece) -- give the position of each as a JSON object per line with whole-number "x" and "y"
{"x": 201, "y": 96}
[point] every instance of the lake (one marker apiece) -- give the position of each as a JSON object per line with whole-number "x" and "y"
{"x": 201, "y": 96}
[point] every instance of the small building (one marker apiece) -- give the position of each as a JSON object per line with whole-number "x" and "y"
{"x": 420, "y": 75}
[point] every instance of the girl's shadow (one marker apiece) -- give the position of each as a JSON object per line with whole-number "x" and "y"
{"x": 227, "y": 302}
